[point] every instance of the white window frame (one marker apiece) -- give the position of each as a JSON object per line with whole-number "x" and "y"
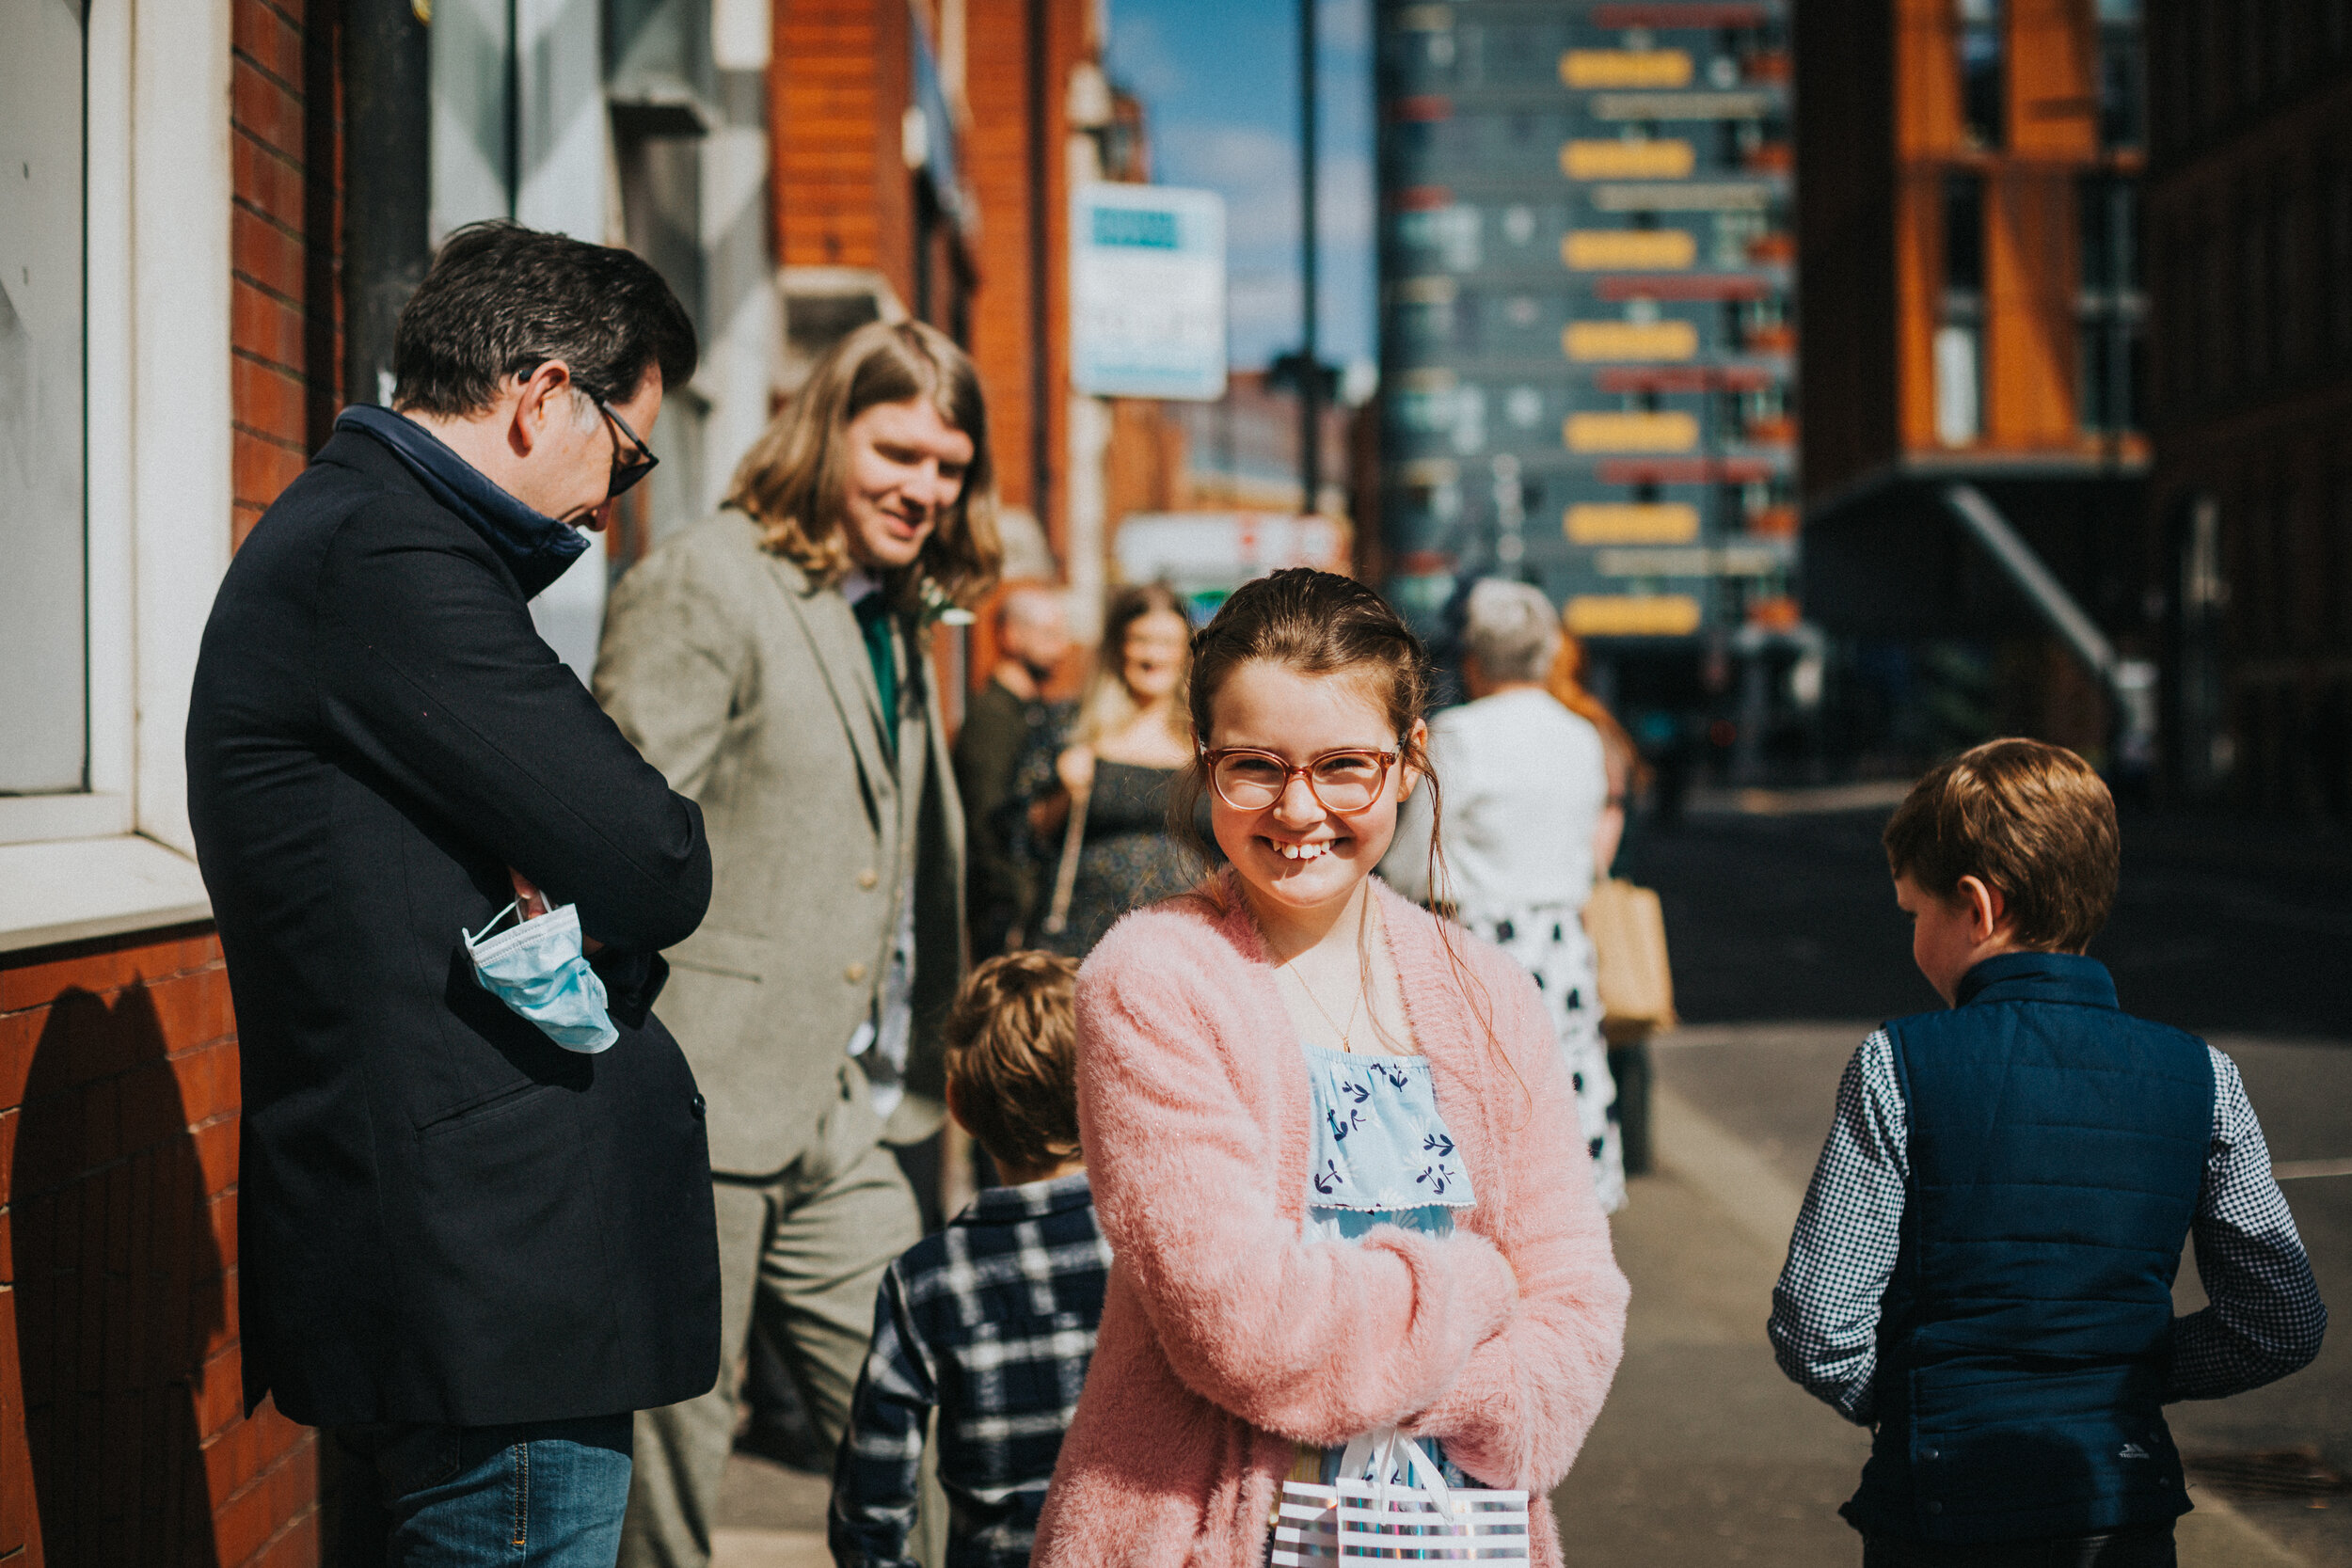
{"x": 159, "y": 185}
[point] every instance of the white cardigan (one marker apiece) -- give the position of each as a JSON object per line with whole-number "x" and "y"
{"x": 1523, "y": 782}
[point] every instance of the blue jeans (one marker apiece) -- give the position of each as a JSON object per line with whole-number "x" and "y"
{"x": 543, "y": 1495}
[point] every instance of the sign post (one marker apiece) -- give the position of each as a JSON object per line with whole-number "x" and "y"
{"x": 1147, "y": 295}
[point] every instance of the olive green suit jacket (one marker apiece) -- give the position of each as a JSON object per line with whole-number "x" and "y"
{"x": 751, "y": 690}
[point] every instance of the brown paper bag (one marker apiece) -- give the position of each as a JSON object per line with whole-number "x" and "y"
{"x": 1637, "y": 983}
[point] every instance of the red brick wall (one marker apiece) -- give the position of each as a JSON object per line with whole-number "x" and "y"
{"x": 997, "y": 155}
{"x": 124, "y": 1440}
{"x": 996, "y": 84}
{"x": 285, "y": 329}
{"x": 838, "y": 91}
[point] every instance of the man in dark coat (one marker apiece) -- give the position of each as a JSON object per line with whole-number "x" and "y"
{"x": 470, "y": 1251}
{"x": 1000, "y": 725}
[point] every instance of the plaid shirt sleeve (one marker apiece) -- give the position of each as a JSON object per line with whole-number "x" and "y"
{"x": 2265, "y": 1319}
{"x": 1826, "y": 1308}
{"x": 875, "y": 1479}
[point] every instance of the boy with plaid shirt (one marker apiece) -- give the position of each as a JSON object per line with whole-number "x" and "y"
{"x": 992, "y": 1320}
{"x": 1982, "y": 1272}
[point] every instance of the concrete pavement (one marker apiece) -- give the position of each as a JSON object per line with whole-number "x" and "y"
{"x": 1741, "y": 1111}
{"x": 1705, "y": 1454}
{"x": 770, "y": 1516}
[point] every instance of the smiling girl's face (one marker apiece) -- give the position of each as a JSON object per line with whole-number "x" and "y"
{"x": 1296, "y": 853}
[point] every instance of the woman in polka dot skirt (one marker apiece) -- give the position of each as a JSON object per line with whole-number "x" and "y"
{"x": 1526, "y": 781}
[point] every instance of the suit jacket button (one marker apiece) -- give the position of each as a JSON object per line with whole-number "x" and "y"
{"x": 1935, "y": 1508}
{"x": 698, "y": 1106}
{"x": 868, "y": 879}
{"x": 855, "y": 974}
{"x": 1931, "y": 1453}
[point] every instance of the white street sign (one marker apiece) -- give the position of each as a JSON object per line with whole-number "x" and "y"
{"x": 1217, "y": 551}
{"x": 1148, "y": 292}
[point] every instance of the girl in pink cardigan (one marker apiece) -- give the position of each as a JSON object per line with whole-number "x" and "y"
{"x": 1331, "y": 1140}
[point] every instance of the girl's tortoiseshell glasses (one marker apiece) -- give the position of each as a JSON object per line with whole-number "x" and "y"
{"x": 1346, "y": 781}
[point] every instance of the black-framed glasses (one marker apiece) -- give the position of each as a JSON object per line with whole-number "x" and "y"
{"x": 1346, "y": 781}
{"x": 627, "y": 473}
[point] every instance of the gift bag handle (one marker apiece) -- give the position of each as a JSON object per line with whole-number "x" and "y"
{"x": 1385, "y": 1443}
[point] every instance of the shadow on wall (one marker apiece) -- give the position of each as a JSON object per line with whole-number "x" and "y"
{"x": 120, "y": 1295}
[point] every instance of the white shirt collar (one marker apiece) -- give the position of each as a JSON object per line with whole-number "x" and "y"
{"x": 860, "y": 585}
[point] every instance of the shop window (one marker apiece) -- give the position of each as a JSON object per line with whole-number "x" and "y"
{"x": 2336, "y": 242}
{"x": 1964, "y": 233}
{"x": 44, "y": 613}
{"x": 1959, "y": 343}
{"x": 2122, "y": 66}
{"x": 2253, "y": 292}
{"x": 2253, "y": 27}
{"x": 2287, "y": 342}
{"x": 1982, "y": 83}
{"x": 2111, "y": 307}
{"x": 1446, "y": 235}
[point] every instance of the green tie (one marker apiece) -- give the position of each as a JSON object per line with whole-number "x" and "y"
{"x": 873, "y": 620}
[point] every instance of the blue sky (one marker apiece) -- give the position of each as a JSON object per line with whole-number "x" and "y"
{"x": 1219, "y": 84}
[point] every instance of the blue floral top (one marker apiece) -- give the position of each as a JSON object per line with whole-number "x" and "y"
{"x": 1381, "y": 1155}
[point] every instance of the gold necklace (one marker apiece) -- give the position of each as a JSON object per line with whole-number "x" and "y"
{"x": 1345, "y": 1034}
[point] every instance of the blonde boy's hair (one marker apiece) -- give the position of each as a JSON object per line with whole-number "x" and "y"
{"x": 1013, "y": 1055}
{"x": 2026, "y": 817}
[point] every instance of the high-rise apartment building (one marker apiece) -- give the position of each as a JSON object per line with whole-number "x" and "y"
{"x": 1585, "y": 267}
{"x": 1974, "y": 314}
{"x": 2248, "y": 559}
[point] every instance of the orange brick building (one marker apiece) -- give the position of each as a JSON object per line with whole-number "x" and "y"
{"x": 1973, "y": 313}
{"x": 923, "y": 162}
{"x": 177, "y": 298}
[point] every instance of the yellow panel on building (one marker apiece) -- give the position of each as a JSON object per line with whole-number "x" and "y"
{"x": 1630, "y": 340}
{"x": 1628, "y": 160}
{"x": 1669, "y": 430}
{"x": 1630, "y": 523}
{"x": 1611, "y": 249}
{"x": 1626, "y": 68}
{"x": 1632, "y": 615}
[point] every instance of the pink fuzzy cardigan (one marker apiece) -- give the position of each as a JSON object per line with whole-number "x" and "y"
{"x": 1227, "y": 1336}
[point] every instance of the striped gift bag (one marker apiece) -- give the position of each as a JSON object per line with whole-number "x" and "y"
{"x": 1407, "y": 1515}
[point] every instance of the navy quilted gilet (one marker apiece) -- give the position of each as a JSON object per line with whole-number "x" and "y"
{"x": 2057, "y": 1150}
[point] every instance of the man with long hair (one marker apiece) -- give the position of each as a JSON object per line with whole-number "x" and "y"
{"x": 770, "y": 662}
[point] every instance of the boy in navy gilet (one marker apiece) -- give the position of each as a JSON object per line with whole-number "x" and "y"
{"x": 1982, "y": 1272}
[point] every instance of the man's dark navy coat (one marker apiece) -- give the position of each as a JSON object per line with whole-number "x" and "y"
{"x": 443, "y": 1216}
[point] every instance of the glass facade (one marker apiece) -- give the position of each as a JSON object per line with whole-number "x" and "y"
{"x": 1983, "y": 76}
{"x": 2111, "y": 305}
{"x": 1959, "y": 317}
{"x": 44, "y": 709}
{"x": 1587, "y": 332}
{"x": 2122, "y": 76}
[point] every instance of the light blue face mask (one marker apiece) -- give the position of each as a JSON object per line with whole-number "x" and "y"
{"x": 538, "y": 970}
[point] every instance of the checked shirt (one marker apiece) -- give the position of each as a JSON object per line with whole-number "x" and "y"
{"x": 2264, "y": 1319}
{"x": 990, "y": 1322}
